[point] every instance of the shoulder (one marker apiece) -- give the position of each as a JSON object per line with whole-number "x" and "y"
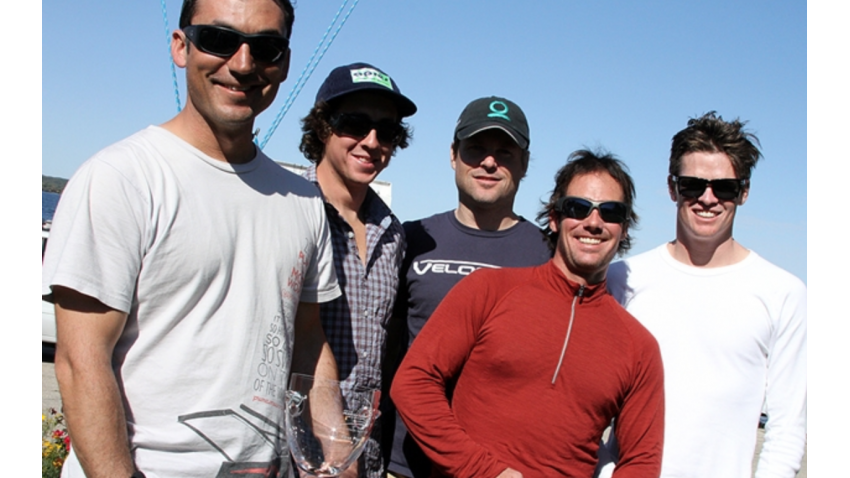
{"x": 776, "y": 276}
{"x": 624, "y": 273}
{"x": 284, "y": 181}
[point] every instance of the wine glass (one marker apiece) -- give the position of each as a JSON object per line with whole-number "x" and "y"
{"x": 326, "y": 431}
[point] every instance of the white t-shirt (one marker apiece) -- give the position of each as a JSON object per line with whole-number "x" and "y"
{"x": 733, "y": 339}
{"x": 210, "y": 260}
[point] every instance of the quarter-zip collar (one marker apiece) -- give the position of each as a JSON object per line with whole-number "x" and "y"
{"x": 580, "y": 293}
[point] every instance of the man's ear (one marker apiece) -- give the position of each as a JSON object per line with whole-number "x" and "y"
{"x": 453, "y": 156}
{"x": 525, "y": 157}
{"x": 671, "y": 188}
{"x": 553, "y": 221}
{"x": 744, "y": 195}
{"x": 284, "y": 65}
{"x": 179, "y": 48}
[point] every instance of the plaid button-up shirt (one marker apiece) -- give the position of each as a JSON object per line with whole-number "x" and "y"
{"x": 356, "y": 322}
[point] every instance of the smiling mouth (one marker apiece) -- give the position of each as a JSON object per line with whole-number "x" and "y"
{"x": 590, "y": 240}
{"x": 706, "y": 214}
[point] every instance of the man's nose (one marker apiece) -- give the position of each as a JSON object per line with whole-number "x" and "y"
{"x": 489, "y": 161}
{"x": 242, "y": 62}
{"x": 371, "y": 139}
{"x": 594, "y": 220}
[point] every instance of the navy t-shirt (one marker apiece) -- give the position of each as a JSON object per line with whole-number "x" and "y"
{"x": 440, "y": 252}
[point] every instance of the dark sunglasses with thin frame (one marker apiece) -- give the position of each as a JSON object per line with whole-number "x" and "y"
{"x": 359, "y": 126}
{"x": 224, "y": 42}
{"x": 726, "y": 189}
{"x": 614, "y": 212}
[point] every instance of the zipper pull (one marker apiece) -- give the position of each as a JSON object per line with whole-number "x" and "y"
{"x": 580, "y": 291}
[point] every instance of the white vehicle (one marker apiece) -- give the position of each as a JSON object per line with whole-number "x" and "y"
{"x": 48, "y": 315}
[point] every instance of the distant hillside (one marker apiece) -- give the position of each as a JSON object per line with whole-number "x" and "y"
{"x": 53, "y": 185}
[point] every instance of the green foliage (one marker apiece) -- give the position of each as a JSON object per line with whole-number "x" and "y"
{"x": 53, "y": 185}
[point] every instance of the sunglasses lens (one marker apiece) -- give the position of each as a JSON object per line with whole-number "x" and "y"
{"x": 218, "y": 41}
{"x": 725, "y": 188}
{"x": 575, "y": 208}
{"x": 267, "y": 49}
{"x": 352, "y": 125}
{"x": 691, "y": 187}
{"x": 614, "y": 212}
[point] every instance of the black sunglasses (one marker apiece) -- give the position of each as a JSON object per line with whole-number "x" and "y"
{"x": 358, "y": 125}
{"x": 224, "y": 42}
{"x": 726, "y": 189}
{"x": 579, "y": 208}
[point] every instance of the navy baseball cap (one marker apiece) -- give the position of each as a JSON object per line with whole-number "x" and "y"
{"x": 493, "y": 112}
{"x": 344, "y": 80}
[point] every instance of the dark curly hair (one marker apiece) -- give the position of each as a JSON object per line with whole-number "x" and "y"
{"x": 316, "y": 128}
{"x": 586, "y": 162}
{"x": 187, "y": 12}
{"x": 709, "y": 133}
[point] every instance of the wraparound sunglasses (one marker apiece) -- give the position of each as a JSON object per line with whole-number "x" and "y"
{"x": 579, "y": 208}
{"x": 224, "y": 42}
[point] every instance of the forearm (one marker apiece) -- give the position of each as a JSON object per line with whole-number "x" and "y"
{"x": 311, "y": 353}
{"x": 95, "y": 416}
{"x": 786, "y": 393}
{"x": 639, "y": 428}
{"x": 86, "y": 332}
{"x": 425, "y": 410}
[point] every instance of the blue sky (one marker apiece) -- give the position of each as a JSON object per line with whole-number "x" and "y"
{"x": 620, "y": 75}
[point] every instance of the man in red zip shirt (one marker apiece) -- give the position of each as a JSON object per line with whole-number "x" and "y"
{"x": 507, "y": 378}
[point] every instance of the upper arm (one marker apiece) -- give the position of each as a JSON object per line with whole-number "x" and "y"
{"x": 311, "y": 353}
{"x": 85, "y": 325}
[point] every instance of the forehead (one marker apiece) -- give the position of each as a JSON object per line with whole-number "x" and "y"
{"x": 598, "y": 186}
{"x": 376, "y": 105}
{"x": 248, "y": 16}
{"x": 707, "y": 165}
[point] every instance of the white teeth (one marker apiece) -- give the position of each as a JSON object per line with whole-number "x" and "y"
{"x": 706, "y": 214}
{"x": 589, "y": 240}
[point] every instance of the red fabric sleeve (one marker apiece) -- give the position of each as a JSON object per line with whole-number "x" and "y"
{"x": 640, "y": 425}
{"x": 434, "y": 360}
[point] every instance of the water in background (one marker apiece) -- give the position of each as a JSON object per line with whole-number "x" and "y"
{"x": 48, "y": 205}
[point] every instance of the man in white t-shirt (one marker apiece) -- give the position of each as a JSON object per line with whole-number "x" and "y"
{"x": 187, "y": 270}
{"x": 731, "y": 326}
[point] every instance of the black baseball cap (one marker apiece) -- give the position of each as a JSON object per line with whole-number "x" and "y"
{"x": 493, "y": 112}
{"x": 347, "y": 79}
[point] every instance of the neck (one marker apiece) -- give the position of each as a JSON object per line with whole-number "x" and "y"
{"x": 707, "y": 253}
{"x": 346, "y": 198}
{"x": 486, "y": 219}
{"x": 232, "y": 145}
{"x": 579, "y": 277}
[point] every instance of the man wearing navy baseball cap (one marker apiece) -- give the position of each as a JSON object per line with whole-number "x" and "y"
{"x": 352, "y": 131}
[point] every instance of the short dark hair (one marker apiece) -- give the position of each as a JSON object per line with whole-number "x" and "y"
{"x": 187, "y": 12}
{"x": 583, "y": 162}
{"x": 709, "y": 133}
{"x": 317, "y": 128}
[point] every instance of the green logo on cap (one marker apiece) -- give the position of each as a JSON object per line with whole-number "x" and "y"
{"x": 499, "y": 110}
{"x": 371, "y": 75}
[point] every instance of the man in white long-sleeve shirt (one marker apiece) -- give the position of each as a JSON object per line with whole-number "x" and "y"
{"x": 731, "y": 325}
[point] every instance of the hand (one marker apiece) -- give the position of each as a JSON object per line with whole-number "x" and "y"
{"x": 510, "y": 473}
{"x": 351, "y": 472}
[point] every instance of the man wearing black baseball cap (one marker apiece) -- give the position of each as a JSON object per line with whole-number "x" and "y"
{"x": 352, "y": 131}
{"x": 489, "y": 154}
